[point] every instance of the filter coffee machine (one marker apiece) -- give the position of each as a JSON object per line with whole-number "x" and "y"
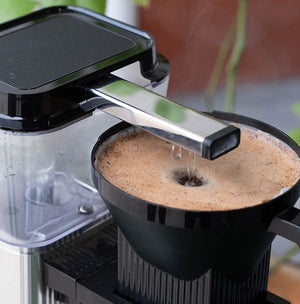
{"x": 59, "y": 243}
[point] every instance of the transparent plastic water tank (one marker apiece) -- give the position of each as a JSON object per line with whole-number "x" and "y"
{"x": 45, "y": 177}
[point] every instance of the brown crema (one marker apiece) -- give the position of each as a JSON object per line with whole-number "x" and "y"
{"x": 141, "y": 165}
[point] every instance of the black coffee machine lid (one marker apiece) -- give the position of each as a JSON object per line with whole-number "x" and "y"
{"x": 48, "y": 57}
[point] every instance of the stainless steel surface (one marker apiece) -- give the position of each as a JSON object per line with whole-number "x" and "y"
{"x": 157, "y": 114}
{"x": 21, "y": 280}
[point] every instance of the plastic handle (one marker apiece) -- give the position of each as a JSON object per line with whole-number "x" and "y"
{"x": 287, "y": 225}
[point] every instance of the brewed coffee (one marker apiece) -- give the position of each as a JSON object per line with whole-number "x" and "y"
{"x": 140, "y": 164}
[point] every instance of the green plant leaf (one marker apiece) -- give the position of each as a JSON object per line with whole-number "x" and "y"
{"x": 95, "y": 5}
{"x": 46, "y": 3}
{"x": 296, "y": 108}
{"x": 295, "y": 135}
{"x": 141, "y": 2}
{"x": 170, "y": 111}
{"x": 10, "y": 9}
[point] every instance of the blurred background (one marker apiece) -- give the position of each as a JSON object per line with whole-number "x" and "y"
{"x": 237, "y": 55}
{"x": 190, "y": 34}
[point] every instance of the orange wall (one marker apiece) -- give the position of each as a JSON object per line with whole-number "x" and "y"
{"x": 189, "y": 34}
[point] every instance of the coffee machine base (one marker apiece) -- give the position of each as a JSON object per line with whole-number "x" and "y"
{"x": 87, "y": 270}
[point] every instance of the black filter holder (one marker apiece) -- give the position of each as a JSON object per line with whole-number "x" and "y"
{"x": 48, "y": 57}
{"x": 187, "y": 243}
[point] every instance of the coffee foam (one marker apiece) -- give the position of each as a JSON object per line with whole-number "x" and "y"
{"x": 141, "y": 165}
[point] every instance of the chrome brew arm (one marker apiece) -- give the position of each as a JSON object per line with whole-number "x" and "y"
{"x": 162, "y": 117}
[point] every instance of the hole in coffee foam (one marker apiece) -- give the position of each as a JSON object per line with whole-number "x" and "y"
{"x": 182, "y": 177}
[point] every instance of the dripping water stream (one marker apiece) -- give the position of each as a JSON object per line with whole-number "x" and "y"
{"x": 191, "y": 176}
{"x": 176, "y": 152}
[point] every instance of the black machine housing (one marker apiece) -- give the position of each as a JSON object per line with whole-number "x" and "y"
{"x": 45, "y": 70}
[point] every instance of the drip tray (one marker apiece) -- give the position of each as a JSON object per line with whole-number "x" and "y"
{"x": 85, "y": 270}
